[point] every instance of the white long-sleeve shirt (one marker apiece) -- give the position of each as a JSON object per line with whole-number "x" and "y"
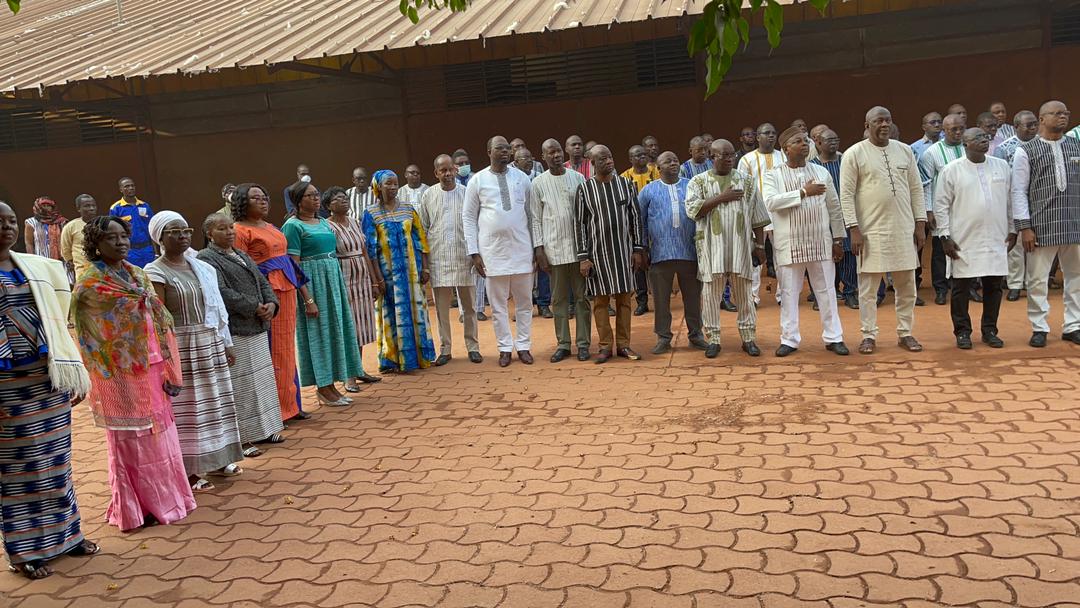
{"x": 1021, "y": 178}
{"x": 495, "y": 219}
{"x": 803, "y": 228}
{"x": 971, "y": 205}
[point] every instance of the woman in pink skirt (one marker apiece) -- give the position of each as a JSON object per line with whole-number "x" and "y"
{"x": 126, "y": 334}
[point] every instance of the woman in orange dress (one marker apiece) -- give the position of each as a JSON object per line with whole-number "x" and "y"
{"x": 266, "y": 245}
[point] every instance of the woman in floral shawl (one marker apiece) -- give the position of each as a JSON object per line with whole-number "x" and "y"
{"x": 126, "y": 334}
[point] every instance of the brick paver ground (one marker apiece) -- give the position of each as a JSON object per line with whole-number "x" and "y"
{"x": 942, "y": 479}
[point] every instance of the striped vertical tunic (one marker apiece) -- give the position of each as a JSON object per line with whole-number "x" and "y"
{"x": 803, "y": 228}
{"x": 440, "y": 216}
{"x": 551, "y": 210}
{"x": 1046, "y": 190}
{"x": 725, "y": 235}
{"x": 609, "y": 231}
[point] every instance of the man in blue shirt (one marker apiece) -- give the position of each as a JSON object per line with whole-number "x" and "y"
{"x": 932, "y": 127}
{"x": 670, "y": 250}
{"x": 137, "y": 214}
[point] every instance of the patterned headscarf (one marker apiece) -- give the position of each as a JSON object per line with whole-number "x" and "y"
{"x": 47, "y": 228}
{"x": 377, "y": 180}
{"x": 46, "y": 213}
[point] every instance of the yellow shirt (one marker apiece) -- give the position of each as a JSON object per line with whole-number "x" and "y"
{"x": 642, "y": 179}
{"x": 71, "y": 245}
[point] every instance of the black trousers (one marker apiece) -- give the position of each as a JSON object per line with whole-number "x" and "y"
{"x": 937, "y": 267}
{"x": 641, "y": 287}
{"x": 961, "y": 293}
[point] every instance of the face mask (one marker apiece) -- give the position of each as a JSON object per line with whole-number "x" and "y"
{"x": 306, "y": 179}
{"x": 464, "y": 170}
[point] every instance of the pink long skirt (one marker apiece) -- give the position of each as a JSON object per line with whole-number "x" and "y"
{"x": 146, "y": 468}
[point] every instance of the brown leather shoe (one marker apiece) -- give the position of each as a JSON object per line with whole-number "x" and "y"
{"x": 603, "y": 355}
{"x": 504, "y": 359}
{"x": 525, "y": 357}
{"x": 910, "y": 344}
{"x": 867, "y": 346}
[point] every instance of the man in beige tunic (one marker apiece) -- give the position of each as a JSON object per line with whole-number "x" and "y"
{"x": 882, "y": 198}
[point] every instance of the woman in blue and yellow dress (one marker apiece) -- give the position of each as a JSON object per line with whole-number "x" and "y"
{"x": 398, "y": 249}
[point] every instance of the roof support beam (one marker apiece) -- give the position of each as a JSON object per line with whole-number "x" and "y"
{"x": 297, "y": 66}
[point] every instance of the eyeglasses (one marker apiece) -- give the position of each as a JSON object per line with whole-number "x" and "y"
{"x": 312, "y": 195}
{"x": 726, "y": 155}
{"x": 1061, "y": 114}
{"x": 259, "y": 199}
{"x": 176, "y": 232}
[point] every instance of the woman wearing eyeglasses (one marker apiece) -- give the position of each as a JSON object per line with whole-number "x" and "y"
{"x": 325, "y": 333}
{"x": 204, "y": 408}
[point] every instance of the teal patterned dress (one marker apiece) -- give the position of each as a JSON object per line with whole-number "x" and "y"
{"x": 327, "y": 346}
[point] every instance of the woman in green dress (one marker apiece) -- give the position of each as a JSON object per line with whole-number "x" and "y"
{"x": 325, "y": 333}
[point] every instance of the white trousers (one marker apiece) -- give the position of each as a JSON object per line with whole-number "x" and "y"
{"x": 1038, "y": 269}
{"x": 1016, "y": 267}
{"x": 499, "y": 291}
{"x": 755, "y": 283}
{"x": 480, "y": 293}
{"x": 822, "y": 281}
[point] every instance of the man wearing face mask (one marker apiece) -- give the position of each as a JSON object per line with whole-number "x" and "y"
{"x": 464, "y": 173}
{"x": 464, "y": 169}
{"x": 303, "y": 174}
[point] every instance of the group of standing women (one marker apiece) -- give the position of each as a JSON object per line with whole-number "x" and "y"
{"x": 192, "y": 364}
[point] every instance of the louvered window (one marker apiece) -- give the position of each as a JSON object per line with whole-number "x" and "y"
{"x": 28, "y": 129}
{"x": 607, "y": 70}
{"x": 1065, "y": 28}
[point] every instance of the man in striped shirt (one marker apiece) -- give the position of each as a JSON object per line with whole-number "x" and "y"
{"x": 360, "y": 196}
{"x": 552, "y": 197}
{"x": 699, "y": 159}
{"x": 577, "y": 159}
{"x": 641, "y": 173}
{"x": 609, "y": 248}
{"x": 451, "y": 269}
{"x": 1005, "y": 129}
{"x": 1025, "y": 128}
{"x": 1046, "y": 209}
{"x": 808, "y": 233}
{"x": 930, "y": 164}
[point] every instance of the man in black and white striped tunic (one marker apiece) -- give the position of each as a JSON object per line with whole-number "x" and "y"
{"x": 610, "y": 246}
{"x": 1046, "y": 209}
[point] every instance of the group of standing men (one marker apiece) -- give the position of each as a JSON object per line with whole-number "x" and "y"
{"x": 704, "y": 222}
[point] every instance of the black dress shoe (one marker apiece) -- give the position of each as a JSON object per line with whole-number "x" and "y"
{"x": 1072, "y": 336}
{"x": 919, "y": 301}
{"x": 559, "y": 355}
{"x": 662, "y": 346}
{"x": 993, "y": 341}
{"x": 838, "y": 347}
{"x": 476, "y": 357}
{"x": 939, "y": 298}
{"x": 851, "y": 302}
{"x": 641, "y": 309}
{"x": 583, "y": 354}
{"x": 1013, "y": 295}
{"x": 699, "y": 344}
{"x": 975, "y": 296}
{"x": 1038, "y": 339}
{"x": 628, "y": 353}
{"x": 712, "y": 351}
{"x": 963, "y": 341}
{"x": 525, "y": 357}
{"x": 603, "y": 356}
{"x": 728, "y": 306}
{"x": 545, "y": 311}
{"x": 784, "y": 350}
{"x": 751, "y": 349}
{"x": 480, "y": 316}
{"x": 442, "y": 360}
{"x": 504, "y": 359}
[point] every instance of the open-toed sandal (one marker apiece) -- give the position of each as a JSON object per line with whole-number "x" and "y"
{"x": 84, "y": 549}
{"x": 231, "y": 470}
{"x": 252, "y": 452}
{"x": 33, "y": 570}
{"x": 202, "y": 485}
{"x": 275, "y": 438}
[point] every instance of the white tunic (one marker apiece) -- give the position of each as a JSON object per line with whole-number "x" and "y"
{"x": 725, "y": 236}
{"x": 971, "y": 204}
{"x": 440, "y": 215}
{"x": 412, "y": 196}
{"x": 803, "y": 228}
{"x": 496, "y": 221}
{"x": 881, "y": 193}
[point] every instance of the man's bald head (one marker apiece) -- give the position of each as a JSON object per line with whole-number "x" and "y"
{"x": 668, "y": 165}
{"x": 878, "y": 111}
{"x": 552, "y": 153}
{"x": 603, "y": 163}
{"x": 976, "y": 143}
{"x": 1053, "y": 117}
{"x": 879, "y": 125}
{"x": 723, "y": 155}
{"x": 667, "y": 155}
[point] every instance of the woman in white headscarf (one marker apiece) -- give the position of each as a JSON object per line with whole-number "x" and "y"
{"x": 204, "y": 410}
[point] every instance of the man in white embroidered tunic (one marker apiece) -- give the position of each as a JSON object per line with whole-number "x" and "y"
{"x": 731, "y": 220}
{"x": 552, "y": 197}
{"x": 1046, "y": 209}
{"x": 451, "y": 269}
{"x": 496, "y": 223}
{"x": 882, "y": 199}
{"x": 808, "y": 236}
{"x": 974, "y": 223}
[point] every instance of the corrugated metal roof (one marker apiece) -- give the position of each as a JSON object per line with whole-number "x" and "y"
{"x": 53, "y": 42}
